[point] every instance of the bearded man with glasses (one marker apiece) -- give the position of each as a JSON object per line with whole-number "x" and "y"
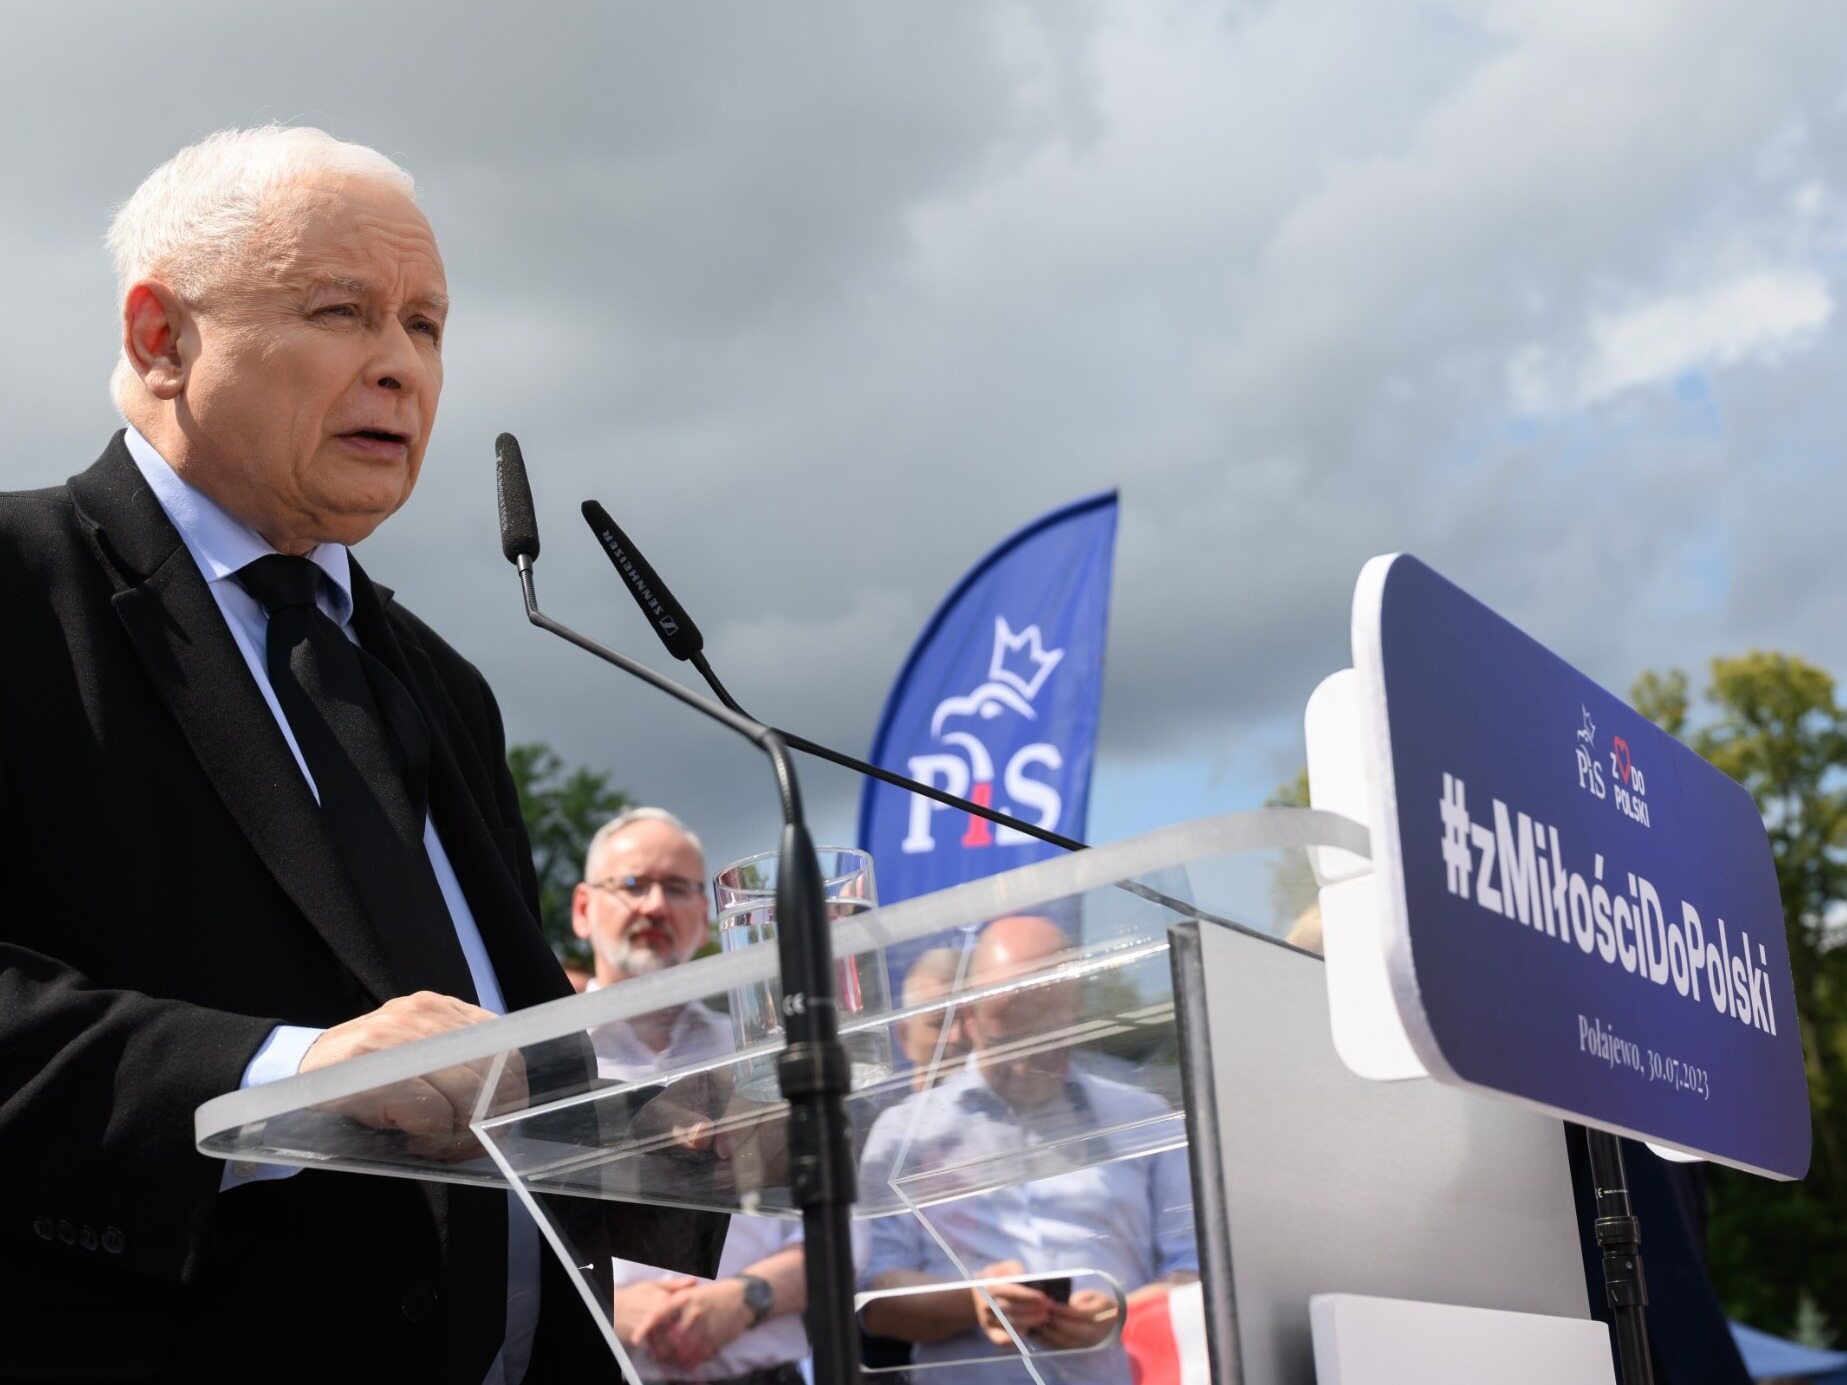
{"x": 642, "y": 908}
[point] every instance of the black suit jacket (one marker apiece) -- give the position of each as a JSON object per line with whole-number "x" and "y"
{"x": 167, "y": 896}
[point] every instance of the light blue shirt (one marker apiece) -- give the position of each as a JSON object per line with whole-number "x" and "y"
{"x": 1130, "y": 1217}
{"x": 221, "y": 544}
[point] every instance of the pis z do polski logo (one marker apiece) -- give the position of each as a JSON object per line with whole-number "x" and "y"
{"x": 1018, "y": 671}
{"x": 1624, "y": 785}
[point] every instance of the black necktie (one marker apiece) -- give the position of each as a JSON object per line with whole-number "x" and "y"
{"x": 367, "y": 750}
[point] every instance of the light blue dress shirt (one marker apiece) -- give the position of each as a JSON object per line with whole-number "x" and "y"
{"x": 1130, "y": 1217}
{"x": 221, "y": 544}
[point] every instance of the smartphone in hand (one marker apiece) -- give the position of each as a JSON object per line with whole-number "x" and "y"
{"x": 1055, "y": 1287}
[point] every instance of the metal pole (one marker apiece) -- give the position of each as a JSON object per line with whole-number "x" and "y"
{"x": 813, "y": 1070}
{"x": 815, "y": 1075}
{"x": 1619, "y": 1236}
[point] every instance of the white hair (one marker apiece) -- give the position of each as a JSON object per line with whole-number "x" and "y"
{"x": 193, "y": 218}
{"x": 626, "y": 819}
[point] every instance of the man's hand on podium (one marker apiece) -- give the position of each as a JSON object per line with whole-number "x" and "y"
{"x": 433, "y": 1111}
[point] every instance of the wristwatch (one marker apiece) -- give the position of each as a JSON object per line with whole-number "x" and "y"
{"x": 759, "y": 1297}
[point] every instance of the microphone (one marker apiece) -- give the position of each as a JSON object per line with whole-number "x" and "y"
{"x": 519, "y": 527}
{"x": 813, "y": 1069}
{"x": 683, "y": 640}
{"x": 668, "y": 616}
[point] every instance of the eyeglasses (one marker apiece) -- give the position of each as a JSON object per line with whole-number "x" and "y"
{"x": 635, "y": 888}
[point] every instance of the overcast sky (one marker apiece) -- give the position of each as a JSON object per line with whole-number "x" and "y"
{"x": 824, "y": 299}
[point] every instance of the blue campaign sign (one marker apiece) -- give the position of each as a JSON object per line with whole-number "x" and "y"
{"x": 1580, "y": 912}
{"x": 998, "y": 704}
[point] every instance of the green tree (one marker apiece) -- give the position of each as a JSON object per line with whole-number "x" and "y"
{"x": 1773, "y": 722}
{"x": 563, "y": 810}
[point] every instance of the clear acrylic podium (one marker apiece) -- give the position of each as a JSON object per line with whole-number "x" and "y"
{"x": 1032, "y": 1124}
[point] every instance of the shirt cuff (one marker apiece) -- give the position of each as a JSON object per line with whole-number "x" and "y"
{"x": 280, "y": 1056}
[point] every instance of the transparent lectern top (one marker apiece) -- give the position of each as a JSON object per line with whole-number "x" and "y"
{"x": 1003, "y": 1055}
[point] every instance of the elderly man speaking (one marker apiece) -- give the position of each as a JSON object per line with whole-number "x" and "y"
{"x": 254, "y": 818}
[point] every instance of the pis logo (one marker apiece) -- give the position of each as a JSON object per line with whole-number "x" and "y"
{"x": 1017, "y": 674}
{"x": 1625, "y": 776}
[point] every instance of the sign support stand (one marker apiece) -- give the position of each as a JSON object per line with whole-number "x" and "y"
{"x": 1619, "y": 1236}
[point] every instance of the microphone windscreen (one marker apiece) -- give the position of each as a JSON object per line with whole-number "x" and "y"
{"x": 519, "y": 526}
{"x": 665, "y": 614}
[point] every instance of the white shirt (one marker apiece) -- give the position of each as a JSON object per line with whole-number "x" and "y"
{"x": 623, "y": 1056}
{"x": 698, "y": 1032}
{"x": 221, "y": 544}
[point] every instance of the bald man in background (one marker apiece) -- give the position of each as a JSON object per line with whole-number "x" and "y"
{"x": 1128, "y": 1217}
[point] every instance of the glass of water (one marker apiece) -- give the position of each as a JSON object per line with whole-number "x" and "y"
{"x": 745, "y": 895}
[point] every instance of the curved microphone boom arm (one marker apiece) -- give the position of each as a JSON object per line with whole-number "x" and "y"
{"x": 812, "y": 1070}
{"x": 683, "y": 640}
{"x": 681, "y": 636}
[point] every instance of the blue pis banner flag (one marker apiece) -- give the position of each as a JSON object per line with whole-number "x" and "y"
{"x": 997, "y": 703}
